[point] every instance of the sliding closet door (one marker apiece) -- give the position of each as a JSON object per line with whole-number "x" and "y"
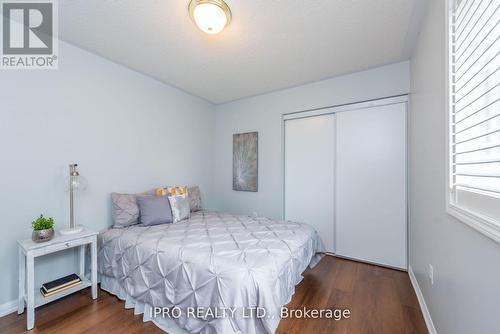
{"x": 371, "y": 185}
{"x": 309, "y": 174}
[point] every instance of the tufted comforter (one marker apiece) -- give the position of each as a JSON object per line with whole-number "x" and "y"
{"x": 236, "y": 265}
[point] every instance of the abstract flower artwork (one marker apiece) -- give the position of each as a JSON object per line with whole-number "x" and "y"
{"x": 245, "y": 162}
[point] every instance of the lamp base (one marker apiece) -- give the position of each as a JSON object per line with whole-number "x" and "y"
{"x": 74, "y": 230}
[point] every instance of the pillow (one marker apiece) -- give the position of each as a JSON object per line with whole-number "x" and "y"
{"x": 172, "y": 191}
{"x": 180, "y": 207}
{"x": 154, "y": 210}
{"x": 177, "y": 190}
{"x": 194, "y": 196}
{"x": 161, "y": 192}
{"x": 125, "y": 209}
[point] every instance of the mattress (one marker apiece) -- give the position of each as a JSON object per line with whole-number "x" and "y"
{"x": 238, "y": 270}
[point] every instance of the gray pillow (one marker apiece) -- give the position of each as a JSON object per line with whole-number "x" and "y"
{"x": 125, "y": 209}
{"x": 194, "y": 195}
{"x": 154, "y": 210}
{"x": 180, "y": 207}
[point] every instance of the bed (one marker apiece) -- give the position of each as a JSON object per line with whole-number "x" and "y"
{"x": 235, "y": 271}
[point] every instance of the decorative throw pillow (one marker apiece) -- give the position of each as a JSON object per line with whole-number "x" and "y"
{"x": 194, "y": 196}
{"x": 154, "y": 210}
{"x": 161, "y": 192}
{"x": 172, "y": 191}
{"x": 177, "y": 190}
{"x": 125, "y": 209}
{"x": 180, "y": 207}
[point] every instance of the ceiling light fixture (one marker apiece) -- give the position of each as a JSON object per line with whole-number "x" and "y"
{"x": 211, "y": 16}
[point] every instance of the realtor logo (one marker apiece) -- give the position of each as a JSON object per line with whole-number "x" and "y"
{"x": 29, "y": 35}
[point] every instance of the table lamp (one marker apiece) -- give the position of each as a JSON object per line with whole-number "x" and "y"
{"x": 75, "y": 182}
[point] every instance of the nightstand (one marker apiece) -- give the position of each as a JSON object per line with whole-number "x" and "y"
{"x": 29, "y": 250}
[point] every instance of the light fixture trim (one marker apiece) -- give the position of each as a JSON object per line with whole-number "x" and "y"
{"x": 219, "y": 3}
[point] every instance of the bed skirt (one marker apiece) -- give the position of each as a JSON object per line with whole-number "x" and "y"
{"x": 111, "y": 285}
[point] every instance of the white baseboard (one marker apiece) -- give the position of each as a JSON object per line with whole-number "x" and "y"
{"x": 8, "y": 307}
{"x": 11, "y": 306}
{"x": 423, "y": 306}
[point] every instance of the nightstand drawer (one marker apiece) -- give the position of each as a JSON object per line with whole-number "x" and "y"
{"x": 63, "y": 245}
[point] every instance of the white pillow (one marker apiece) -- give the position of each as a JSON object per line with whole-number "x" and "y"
{"x": 180, "y": 207}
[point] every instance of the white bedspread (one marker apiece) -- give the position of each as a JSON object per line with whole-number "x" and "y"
{"x": 212, "y": 261}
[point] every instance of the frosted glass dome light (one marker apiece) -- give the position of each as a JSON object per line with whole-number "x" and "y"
{"x": 211, "y": 16}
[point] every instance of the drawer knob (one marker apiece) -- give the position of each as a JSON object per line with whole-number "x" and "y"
{"x": 67, "y": 244}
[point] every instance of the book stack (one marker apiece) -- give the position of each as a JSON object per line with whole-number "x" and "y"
{"x": 60, "y": 284}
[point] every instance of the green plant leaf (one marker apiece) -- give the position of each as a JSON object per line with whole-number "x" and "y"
{"x": 42, "y": 223}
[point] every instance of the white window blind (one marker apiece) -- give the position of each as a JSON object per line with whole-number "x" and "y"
{"x": 475, "y": 108}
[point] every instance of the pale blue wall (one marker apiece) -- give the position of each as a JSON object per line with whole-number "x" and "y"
{"x": 128, "y": 133}
{"x": 465, "y": 297}
{"x": 263, "y": 114}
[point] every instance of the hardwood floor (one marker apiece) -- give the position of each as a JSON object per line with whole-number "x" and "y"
{"x": 380, "y": 300}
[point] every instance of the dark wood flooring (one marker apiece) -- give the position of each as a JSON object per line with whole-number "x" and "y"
{"x": 380, "y": 300}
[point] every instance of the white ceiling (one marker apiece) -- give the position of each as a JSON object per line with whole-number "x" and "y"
{"x": 269, "y": 45}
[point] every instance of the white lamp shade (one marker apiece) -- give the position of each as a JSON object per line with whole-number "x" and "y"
{"x": 79, "y": 183}
{"x": 210, "y": 18}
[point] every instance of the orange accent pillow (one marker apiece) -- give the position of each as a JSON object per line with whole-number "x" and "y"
{"x": 172, "y": 191}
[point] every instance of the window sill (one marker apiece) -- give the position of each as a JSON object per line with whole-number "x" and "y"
{"x": 477, "y": 222}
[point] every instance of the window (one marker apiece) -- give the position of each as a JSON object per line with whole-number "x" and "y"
{"x": 474, "y": 114}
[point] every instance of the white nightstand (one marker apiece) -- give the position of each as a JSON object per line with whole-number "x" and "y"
{"x": 29, "y": 250}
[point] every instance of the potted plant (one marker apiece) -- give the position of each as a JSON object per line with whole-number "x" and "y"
{"x": 42, "y": 229}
